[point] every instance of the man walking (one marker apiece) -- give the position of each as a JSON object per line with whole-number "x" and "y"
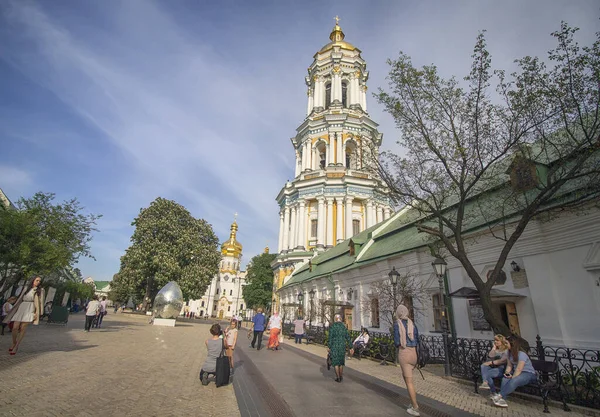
{"x": 92, "y": 310}
{"x": 258, "y": 327}
{"x": 102, "y": 313}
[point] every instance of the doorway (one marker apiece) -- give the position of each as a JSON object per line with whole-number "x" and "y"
{"x": 348, "y": 317}
{"x": 508, "y": 312}
{"x": 220, "y": 314}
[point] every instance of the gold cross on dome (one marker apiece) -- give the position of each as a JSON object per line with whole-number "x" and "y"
{"x": 337, "y": 20}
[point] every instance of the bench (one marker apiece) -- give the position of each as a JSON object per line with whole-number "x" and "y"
{"x": 359, "y": 352}
{"x": 310, "y": 337}
{"x": 548, "y": 380}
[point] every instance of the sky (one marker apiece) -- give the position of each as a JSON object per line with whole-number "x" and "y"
{"x": 118, "y": 102}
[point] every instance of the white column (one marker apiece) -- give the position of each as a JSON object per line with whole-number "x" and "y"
{"x": 292, "y": 237}
{"x": 386, "y": 213}
{"x": 314, "y": 158}
{"x": 340, "y": 217}
{"x": 379, "y": 214}
{"x": 354, "y": 89}
{"x": 363, "y": 97}
{"x": 298, "y": 163}
{"x": 301, "y": 225}
{"x": 336, "y": 86}
{"x": 321, "y": 222}
{"x": 372, "y": 213}
{"x": 369, "y": 214}
{"x": 343, "y": 152}
{"x": 329, "y": 241}
{"x": 286, "y": 228}
{"x": 310, "y": 101}
{"x": 320, "y": 97}
{"x": 280, "y": 247}
{"x": 349, "y": 216}
{"x": 327, "y": 154}
{"x": 339, "y": 148}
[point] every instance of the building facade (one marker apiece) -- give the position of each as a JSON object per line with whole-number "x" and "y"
{"x": 223, "y": 297}
{"x": 334, "y": 195}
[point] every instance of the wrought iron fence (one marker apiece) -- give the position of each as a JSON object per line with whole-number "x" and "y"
{"x": 579, "y": 368}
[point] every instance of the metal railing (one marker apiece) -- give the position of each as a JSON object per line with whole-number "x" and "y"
{"x": 579, "y": 368}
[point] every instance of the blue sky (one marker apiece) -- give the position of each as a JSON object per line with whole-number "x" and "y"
{"x": 119, "y": 102}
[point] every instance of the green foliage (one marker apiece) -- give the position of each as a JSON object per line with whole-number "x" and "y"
{"x": 75, "y": 289}
{"x": 42, "y": 237}
{"x": 259, "y": 290}
{"x": 460, "y": 138}
{"x": 168, "y": 244}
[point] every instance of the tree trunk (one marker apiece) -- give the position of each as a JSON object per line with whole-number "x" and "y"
{"x": 146, "y": 302}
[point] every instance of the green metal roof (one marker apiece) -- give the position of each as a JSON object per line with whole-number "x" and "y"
{"x": 101, "y": 285}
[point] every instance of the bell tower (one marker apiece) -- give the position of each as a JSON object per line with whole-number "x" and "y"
{"x": 333, "y": 195}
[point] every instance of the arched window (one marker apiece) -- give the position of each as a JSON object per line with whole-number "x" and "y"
{"x": 344, "y": 94}
{"x": 351, "y": 155}
{"x": 327, "y": 95}
{"x": 322, "y": 151}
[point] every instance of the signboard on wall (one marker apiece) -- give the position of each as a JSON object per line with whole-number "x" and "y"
{"x": 478, "y": 321}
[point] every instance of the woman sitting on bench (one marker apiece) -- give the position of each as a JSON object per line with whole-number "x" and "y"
{"x": 494, "y": 368}
{"x": 362, "y": 340}
{"x": 519, "y": 372}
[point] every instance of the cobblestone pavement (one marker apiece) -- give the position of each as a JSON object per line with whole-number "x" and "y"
{"x": 127, "y": 368}
{"x": 443, "y": 390}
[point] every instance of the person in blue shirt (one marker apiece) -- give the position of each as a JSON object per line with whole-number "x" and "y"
{"x": 519, "y": 372}
{"x": 258, "y": 326}
{"x": 406, "y": 339}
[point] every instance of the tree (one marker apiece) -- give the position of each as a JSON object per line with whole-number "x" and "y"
{"x": 168, "y": 244}
{"x": 410, "y": 292}
{"x": 542, "y": 126}
{"x": 258, "y": 291}
{"x": 42, "y": 237}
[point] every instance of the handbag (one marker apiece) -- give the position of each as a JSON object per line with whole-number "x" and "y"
{"x": 280, "y": 338}
{"x": 222, "y": 372}
{"x": 328, "y": 361}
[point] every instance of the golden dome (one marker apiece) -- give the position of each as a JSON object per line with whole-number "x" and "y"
{"x": 232, "y": 247}
{"x": 337, "y": 39}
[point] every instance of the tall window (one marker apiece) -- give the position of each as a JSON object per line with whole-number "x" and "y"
{"x": 355, "y": 227}
{"x": 241, "y": 306}
{"x": 313, "y": 228}
{"x": 327, "y": 95}
{"x": 228, "y": 308}
{"x": 202, "y": 304}
{"x": 374, "y": 312}
{"x": 223, "y": 291}
{"x": 230, "y": 292}
{"x": 322, "y": 159}
{"x": 344, "y": 94}
{"x": 214, "y": 307}
{"x": 348, "y": 157}
{"x": 437, "y": 312}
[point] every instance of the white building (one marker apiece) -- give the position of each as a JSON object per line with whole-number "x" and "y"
{"x": 551, "y": 286}
{"x": 333, "y": 196}
{"x": 223, "y": 297}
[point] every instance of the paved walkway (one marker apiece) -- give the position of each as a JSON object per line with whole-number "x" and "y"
{"x": 127, "y": 368}
{"x": 438, "y": 388}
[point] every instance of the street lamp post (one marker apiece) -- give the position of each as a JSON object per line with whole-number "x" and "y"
{"x": 300, "y": 300}
{"x": 311, "y": 293}
{"x": 439, "y": 266}
{"x": 394, "y": 278}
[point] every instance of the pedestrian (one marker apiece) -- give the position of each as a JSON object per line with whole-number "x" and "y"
{"x": 406, "y": 339}
{"x": 6, "y": 307}
{"x": 214, "y": 347}
{"x": 258, "y": 327}
{"x": 27, "y": 309}
{"x": 239, "y": 321}
{"x": 339, "y": 339}
{"x": 231, "y": 334}
{"x": 494, "y": 368}
{"x": 274, "y": 329}
{"x": 519, "y": 372}
{"x": 299, "y": 324}
{"x": 102, "y": 313}
{"x": 91, "y": 312}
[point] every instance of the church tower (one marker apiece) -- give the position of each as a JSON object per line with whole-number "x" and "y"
{"x": 333, "y": 195}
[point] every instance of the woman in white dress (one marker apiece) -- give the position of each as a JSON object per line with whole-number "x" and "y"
{"x": 28, "y": 309}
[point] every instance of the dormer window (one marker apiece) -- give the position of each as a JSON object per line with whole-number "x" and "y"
{"x": 352, "y": 248}
{"x": 523, "y": 174}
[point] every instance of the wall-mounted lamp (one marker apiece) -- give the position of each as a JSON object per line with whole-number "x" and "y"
{"x": 350, "y": 292}
{"x": 515, "y": 266}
